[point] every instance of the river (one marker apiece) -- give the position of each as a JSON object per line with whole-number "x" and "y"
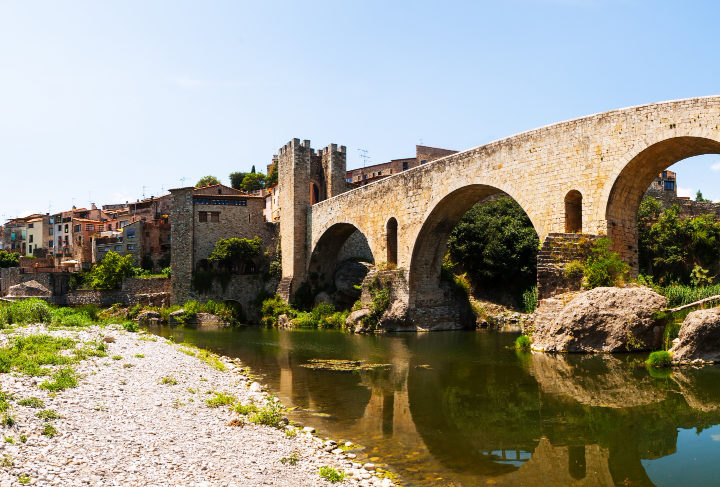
{"x": 466, "y": 409}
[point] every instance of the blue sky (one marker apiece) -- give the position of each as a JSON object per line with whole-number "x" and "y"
{"x": 102, "y": 101}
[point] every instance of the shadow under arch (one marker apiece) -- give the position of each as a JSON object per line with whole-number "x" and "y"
{"x": 430, "y": 244}
{"x": 632, "y": 182}
{"x": 340, "y": 242}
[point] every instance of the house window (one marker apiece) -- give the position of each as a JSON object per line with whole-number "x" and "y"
{"x": 31, "y": 238}
{"x": 31, "y": 225}
{"x": 24, "y": 234}
{"x": 51, "y": 230}
{"x": 215, "y": 216}
{"x": 118, "y": 248}
{"x": 12, "y": 236}
{"x": 59, "y": 228}
{"x": 131, "y": 246}
{"x": 405, "y": 166}
{"x": 203, "y": 216}
{"x": 50, "y": 243}
{"x": 364, "y": 176}
{"x": 51, "y": 221}
{"x": 29, "y": 249}
{"x": 669, "y": 185}
{"x": 90, "y": 227}
{"x": 423, "y": 161}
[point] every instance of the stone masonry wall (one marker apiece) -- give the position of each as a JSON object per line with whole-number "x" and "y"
{"x": 557, "y": 250}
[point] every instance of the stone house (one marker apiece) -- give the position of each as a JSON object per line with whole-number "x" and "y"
{"x": 423, "y": 155}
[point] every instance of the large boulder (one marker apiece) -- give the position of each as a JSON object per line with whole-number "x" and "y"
{"x": 699, "y": 338}
{"x": 177, "y": 317}
{"x": 148, "y": 318}
{"x": 354, "y": 320}
{"x": 604, "y": 319}
{"x": 29, "y": 288}
{"x": 210, "y": 319}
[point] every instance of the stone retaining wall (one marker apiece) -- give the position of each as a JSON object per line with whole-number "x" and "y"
{"x": 557, "y": 250}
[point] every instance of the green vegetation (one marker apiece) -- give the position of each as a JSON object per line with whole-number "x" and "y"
{"x": 250, "y": 181}
{"x": 168, "y": 380}
{"x": 209, "y": 358}
{"x": 49, "y": 430}
{"x": 523, "y": 343}
{"x": 269, "y": 415}
{"x": 660, "y": 358}
{"x": 236, "y": 254}
{"x": 207, "y": 181}
{"x": 116, "y": 357}
{"x": 323, "y": 315}
{"x": 9, "y": 259}
{"x": 530, "y": 299}
{"x": 47, "y": 415}
{"x": 679, "y": 295}
{"x": 25, "y": 312}
{"x": 292, "y": 459}
{"x": 677, "y": 250}
{"x": 31, "y": 402}
{"x": 220, "y": 399}
{"x": 23, "y": 479}
{"x": 331, "y": 475}
{"x": 496, "y": 244}
{"x": 63, "y": 379}
{"x": 245, "y": 409}
{"x": 27, "y": 354}
{"x": 603, "y": 266}
{"x": 110, "y": 272}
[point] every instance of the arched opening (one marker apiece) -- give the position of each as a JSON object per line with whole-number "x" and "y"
{"x": 484, "y": 256}
{"x": 634, "y": 180}
{"x": 314, "y": 193}
{"x": 573, "y": 212}
{"x": 338, "y": 263}
{"x": 391, "y": 241}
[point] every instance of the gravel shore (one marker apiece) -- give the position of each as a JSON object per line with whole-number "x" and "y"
{"x": 124, "y": 425}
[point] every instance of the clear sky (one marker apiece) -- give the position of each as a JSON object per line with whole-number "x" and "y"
{"x": 104, "y": 101}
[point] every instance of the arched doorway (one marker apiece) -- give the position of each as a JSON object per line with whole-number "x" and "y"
{"x": 314, "y": 193}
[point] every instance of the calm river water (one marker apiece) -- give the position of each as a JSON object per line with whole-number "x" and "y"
{"x": 465, "y": 409}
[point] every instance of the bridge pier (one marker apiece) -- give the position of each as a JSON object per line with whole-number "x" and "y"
{"x": 557, "y": 250}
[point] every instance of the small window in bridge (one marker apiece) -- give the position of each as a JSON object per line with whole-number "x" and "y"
{"x": 391, "y": 243}
{"x": 573, "y": 212}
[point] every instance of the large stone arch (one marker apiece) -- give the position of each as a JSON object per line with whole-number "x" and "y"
{"x": 632, "y": 180}
{"x": 332, "y": 248}
{"x": 430, "y": 244}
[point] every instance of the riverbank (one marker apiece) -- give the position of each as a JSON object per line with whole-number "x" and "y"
{"x": 141, "y": 414}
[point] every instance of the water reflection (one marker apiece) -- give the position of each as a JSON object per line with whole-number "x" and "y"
{"x": 463, "y": 408}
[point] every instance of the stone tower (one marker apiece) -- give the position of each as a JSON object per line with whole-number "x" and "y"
{"x": 300, "y": 170}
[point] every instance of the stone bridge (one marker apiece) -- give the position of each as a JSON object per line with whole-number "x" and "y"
{"x": 586, "y": 175}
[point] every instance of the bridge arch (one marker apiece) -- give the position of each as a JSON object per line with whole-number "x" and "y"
{"x": 430, "y": 245}
{"x": 573, "y": 211}
{"x": 339, "y": 242}
{"x": 632, "y": 180}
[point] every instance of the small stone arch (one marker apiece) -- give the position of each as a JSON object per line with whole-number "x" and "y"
{"x": 573, "y": 212}
{"x": 391, "y": 241}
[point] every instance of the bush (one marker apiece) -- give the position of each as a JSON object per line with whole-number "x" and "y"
{"x": 523, "y": 343}
{"x": 110, "y": 272}
{"x": 269, "y": 415}
{"x": 273, "y": 307}
{"x": 9, "y": 259}
{"x": 33, "y": 310}
{"x": 331, "y": 475}
{"x": 661, "y": 358}
{"x": 530, "y": 299}
{"x": 233, "y": 253}
{"x": 604, "y": 267}
{"x": 166, "y": 271}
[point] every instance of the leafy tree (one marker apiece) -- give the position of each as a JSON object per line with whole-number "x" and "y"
{"x": 272, "y": 177}
{"x": 232, "y": 253}
{"x": 207, "y": 181}
{"x": 9, "y": 259}
{"x": 648, "y": 213}
{"x": 252, "y": 171}
{"x": 699, "y": 197}
{"x": 236, "y": 179}
{"x": 496, "y": 244}
{"x": 671, "y": 247}
{"x": 110, "y": 272}
{"x": 253, "y": 181}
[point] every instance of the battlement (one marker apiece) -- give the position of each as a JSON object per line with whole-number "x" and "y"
{"x": 334, "y": 148}
{"x": 294, "y": 145}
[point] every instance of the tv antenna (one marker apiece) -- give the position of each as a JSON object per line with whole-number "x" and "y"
{"x": 143, "y": 191}
{"x": 182, "y": 182}
{"x": 363, "y": 153}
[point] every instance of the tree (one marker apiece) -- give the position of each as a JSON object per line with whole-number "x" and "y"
{"x": 236, "y": 179}
{"x": 252, "y": 171}
{"x": 231, "y": 253}
{"x": 497, "y": 245}
{"x": 272, "y": 177}
{"x": 699, "y": 197}
{"x": 207, "y": 181}
{"x": 253, "y": 181}
{"x": 9, "y": 259}
{"x": 648, "y": 213}
{"x": 110, "y": 272}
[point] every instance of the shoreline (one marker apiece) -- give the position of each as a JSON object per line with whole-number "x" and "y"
{"x": 151, "y": 412}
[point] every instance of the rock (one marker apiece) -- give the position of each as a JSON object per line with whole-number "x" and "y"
{"x": 29, "y": 288}
{"x": 283, "y": 320}
{"x": 176, "y": 317}
{"x": 255, "y": 387}
{"x": 109, "y": 339}
{"x": 354, "y": 320}
{"x": 699, "y": 338}
{"x": 369, "y": 466}
{"x": 147, "y": 317}
{"x": 604, "y": 319}
{"x": 308, "y": 429}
